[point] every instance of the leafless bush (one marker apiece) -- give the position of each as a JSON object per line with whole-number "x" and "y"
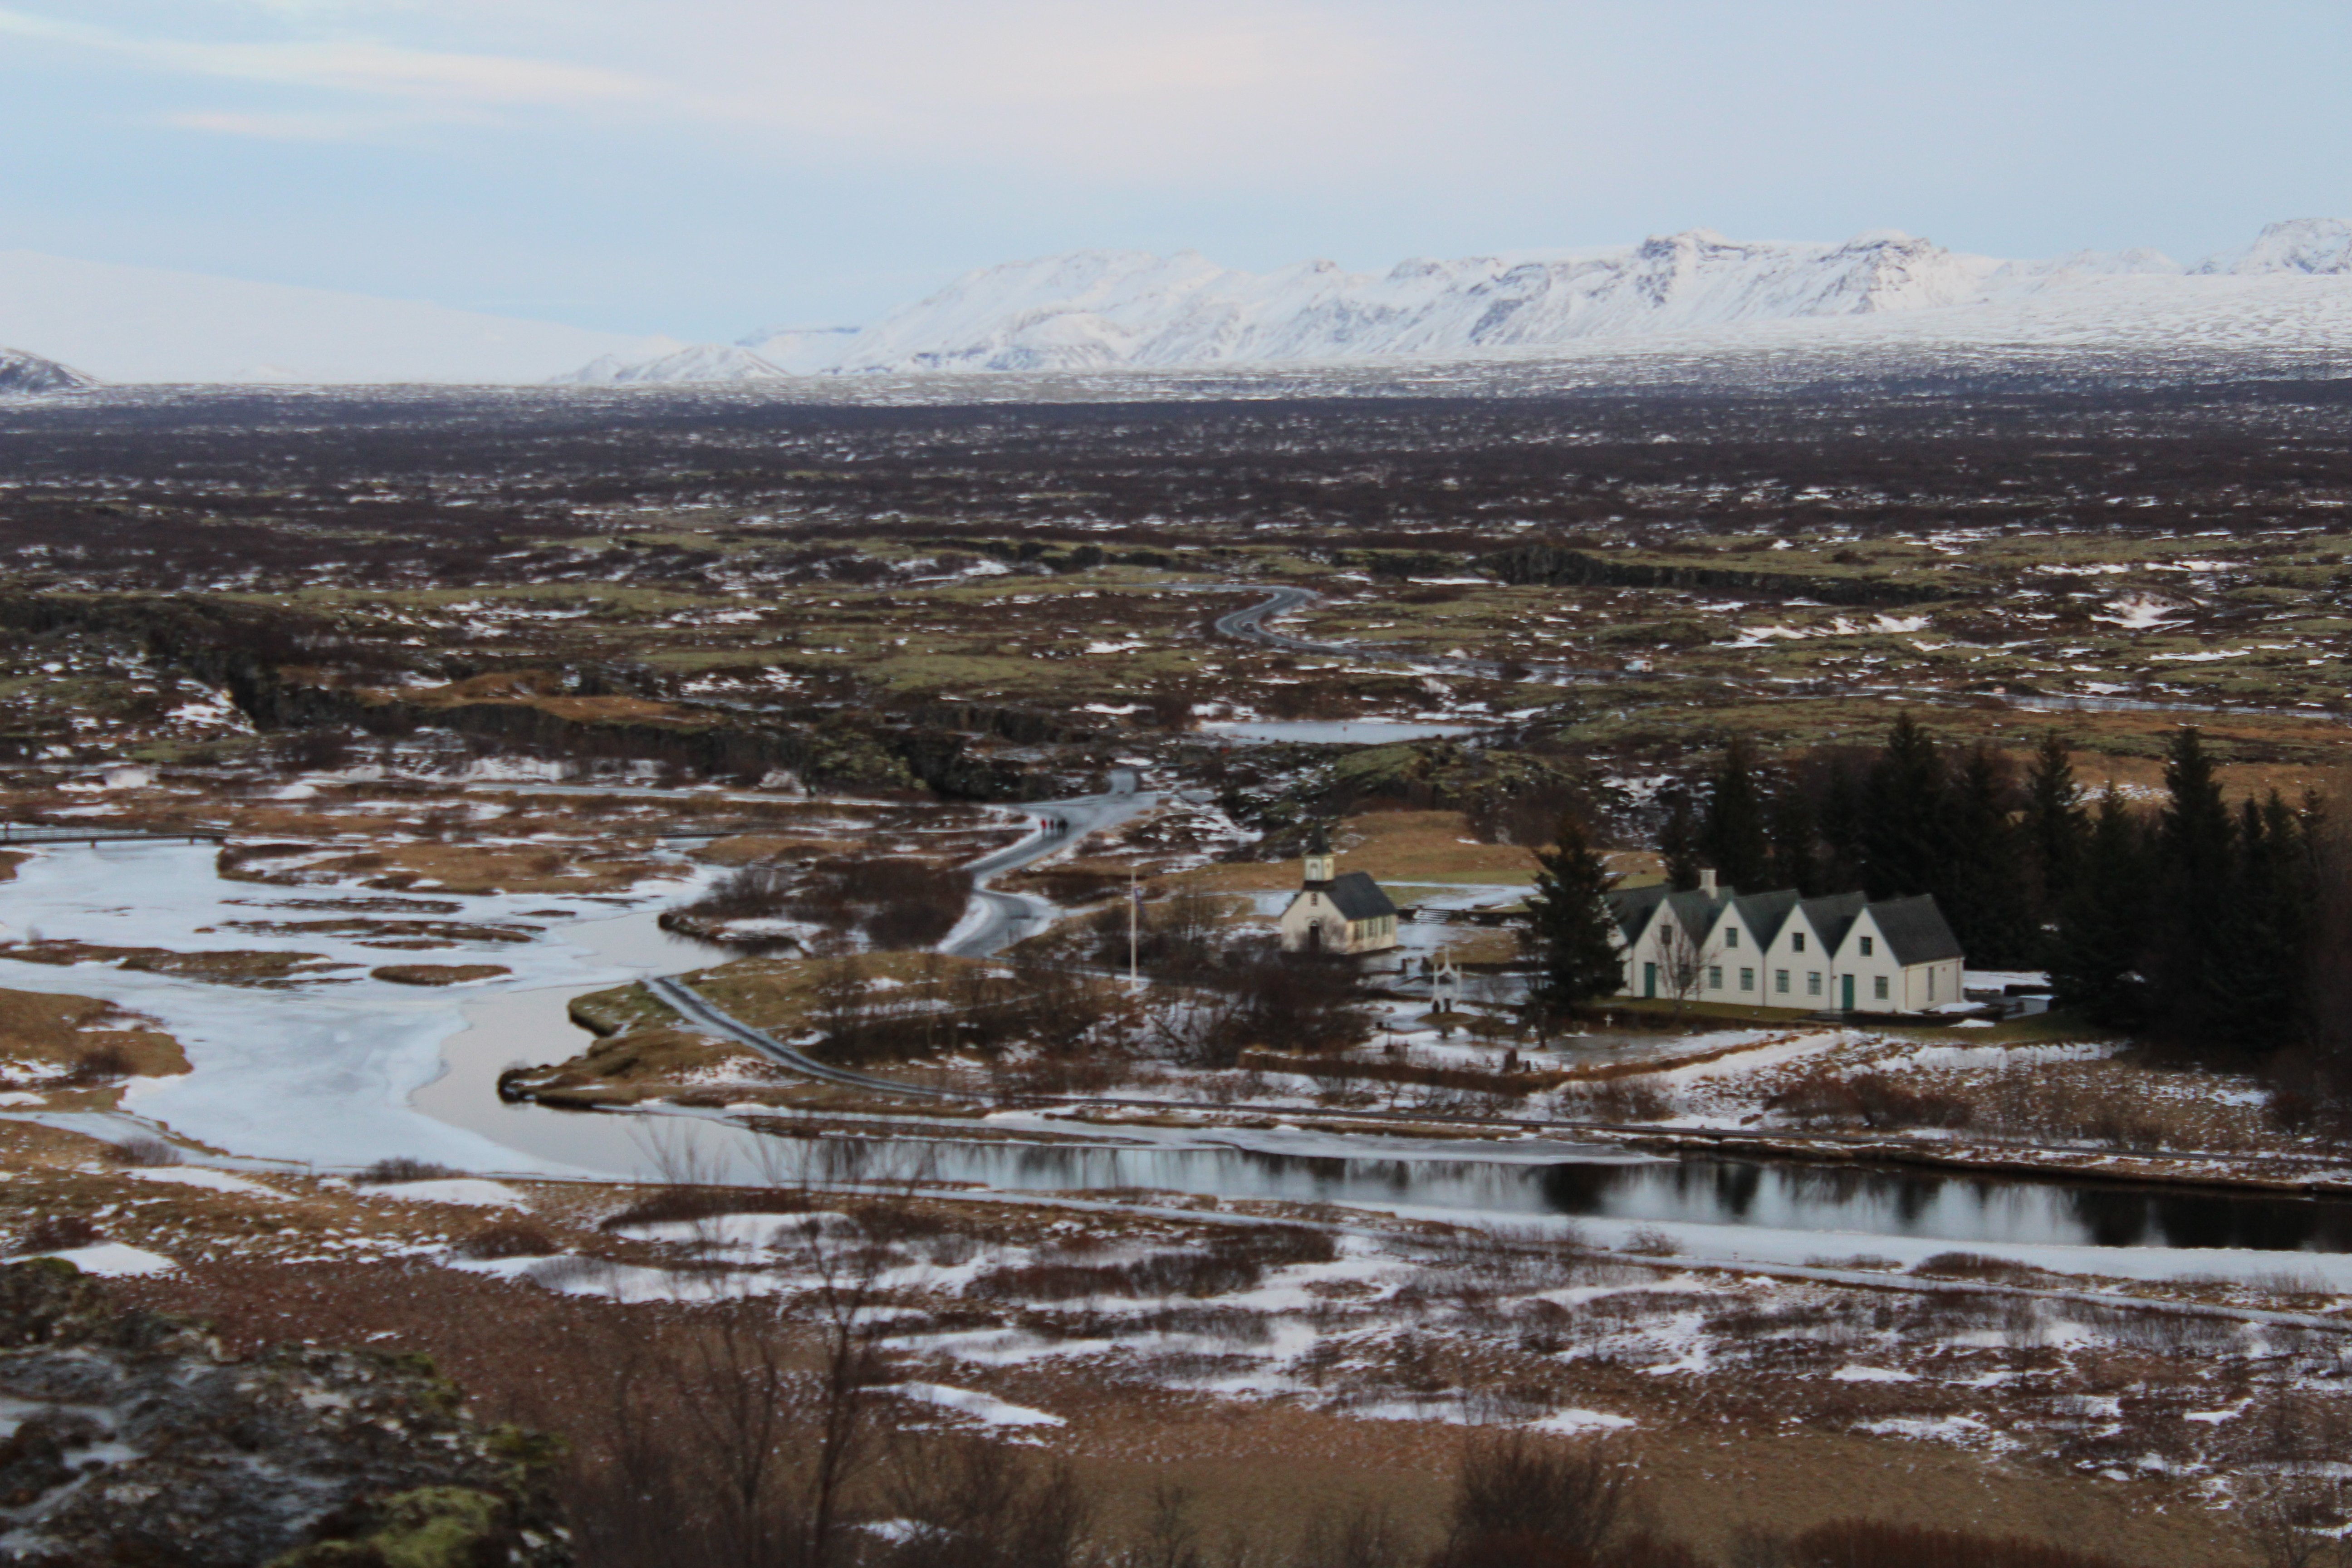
{"x": 980, "y": 1505}
{"x": 1868, "y": 1099}
{"x": 1517, "y": 1501}
{"x": 59, "y": 1233}
{"x": 508, "y": 1238}
{"x": 1870, "y": 1544}
{"x": 143, "y": 1151}
{"x": 1977, "y": 1266}
{"x": 401, "y": 1168}
{"x": 100, "y": 1064}
{"x": 1361, "y": 1537}
{"x": 668, "y": 1206}
{"x": 1640, "y": 1099}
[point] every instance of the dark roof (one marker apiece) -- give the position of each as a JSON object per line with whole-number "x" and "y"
{"x": 1357, "y": 895}
{"x": 1318, "y": 841}
{"x": 1914, "y": 929}
{"x": 1765, "y": 913}
{"x": 1631, "y": 907}
{"x": 1833, "y": 916}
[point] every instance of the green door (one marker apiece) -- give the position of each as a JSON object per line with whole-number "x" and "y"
{"x": 1849, "y": 993}
{"x": 1650, "y": 981}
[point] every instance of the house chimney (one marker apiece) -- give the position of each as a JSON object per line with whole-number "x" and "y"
{"x": 1706, "y": 880}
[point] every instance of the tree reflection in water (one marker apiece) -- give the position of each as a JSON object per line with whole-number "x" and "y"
{"x": 1856, "y": 1200}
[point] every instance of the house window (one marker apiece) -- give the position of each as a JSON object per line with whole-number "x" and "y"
{"x": 1748, "y": 979}
{"x": 1780, "y": 981}
{"x": 1796, "y": 941}
{"x": 1868, "y": 947}
{"x": 1931, "y": 986}
{"x": 1731, "y": 936}
{"x": 1813, "y": 981}
{"x": 1714, "y": 976}
{"x": 1878, "y": 987}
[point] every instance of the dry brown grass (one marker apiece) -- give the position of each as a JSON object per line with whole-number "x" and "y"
{"x": 439, "y": 974}
{"x": 62, "y": 1032}
{"x": 1393, "y": 845}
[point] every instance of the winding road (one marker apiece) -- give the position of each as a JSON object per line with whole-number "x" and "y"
{"x": 995, "y": 921}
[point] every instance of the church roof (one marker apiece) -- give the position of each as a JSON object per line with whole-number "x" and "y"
{"x": 1318, "y": 841}
{"x": 1357, "y": 895}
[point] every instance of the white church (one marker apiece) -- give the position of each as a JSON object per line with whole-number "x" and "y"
{"x": 1338, "y": 914}
{"x": 1841, "y": 953}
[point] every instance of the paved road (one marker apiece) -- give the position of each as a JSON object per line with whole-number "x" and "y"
{"x": 999, "y": 918}
{"x": 690, "y": 1004}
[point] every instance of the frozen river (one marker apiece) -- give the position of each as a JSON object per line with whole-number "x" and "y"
{"x": 339, "y": 1073}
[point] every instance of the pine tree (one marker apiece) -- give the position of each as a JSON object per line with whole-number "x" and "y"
{"x": 1569, "y": 929}
{"x": 2196, "y": 887}
{"x": 1983, "y": 890}
{"x": 1678, "y": 844}
{"x": 2055, "y": 826}
{"x": 1906, "y": 838}
{"x": 1734, "y": 833}
{"x": 2103, "y": 922}
{"x": 1796, "y": 842}
{"x": 2259, "y": 981}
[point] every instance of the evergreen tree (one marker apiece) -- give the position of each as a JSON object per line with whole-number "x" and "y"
{"x": 1796, "y": 842}
{"x": 2103, "y": 922}
{"x": 1982, "y": 890}
{"x": 1734, "y": 835}
{"x": 2262, "y": 949}
{"x": 2196, "y": 887}
{"x": 1906, "y": 838}
{"x": 1570, "y": 929}
{"x": 1678, "y": 844}
{"x": 2055, "y": 826}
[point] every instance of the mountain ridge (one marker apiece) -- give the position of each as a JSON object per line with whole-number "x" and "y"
{"x": 1101, "y": 310}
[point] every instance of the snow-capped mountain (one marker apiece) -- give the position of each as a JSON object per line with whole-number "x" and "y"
{"x": 707, "y": 361}
{"x": 1098, "y": 309}
{"x": 2310, "y": 246}
{"x": 142, "y": 324}
{"x": 23, "y": 375}
{"x": 800, "y": 351}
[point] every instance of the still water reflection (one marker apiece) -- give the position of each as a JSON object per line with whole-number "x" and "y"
{"x": 1857, "y": 1203}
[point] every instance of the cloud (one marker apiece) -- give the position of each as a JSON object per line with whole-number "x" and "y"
{"x": 1120, "y": 90}
{"x": 354, "y": 66}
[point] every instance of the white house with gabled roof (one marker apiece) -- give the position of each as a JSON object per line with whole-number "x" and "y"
{"x": 1841, "y": 953}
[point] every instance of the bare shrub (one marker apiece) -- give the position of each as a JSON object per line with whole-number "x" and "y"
{"x": 1520, "y": 1501}
{"x": 59, "y": 1233}
{"x": 100, "y": 1064}
{"x": 508, "y": 1238}
{"x": 980, "y": 1505}
{"x": 1869, "y": 1099}
{"x": 400, "y": 1168}
{"x": 1977, "y": 1266}
{"x": 143, "y": 1151}
{"x": 1870, "y": 1544}
{"x": 670, "y": 1206}
{"x": 1361, "y": 1537}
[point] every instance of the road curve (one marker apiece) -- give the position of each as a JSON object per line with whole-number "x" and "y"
{"x": 998, "y": 919}
{"x": 690, "y": 1006}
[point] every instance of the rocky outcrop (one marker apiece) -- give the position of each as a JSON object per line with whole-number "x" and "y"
{"x": 137, "y": 1438}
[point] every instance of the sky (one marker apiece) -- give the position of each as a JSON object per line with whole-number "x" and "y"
{"x": 705, "y": 168}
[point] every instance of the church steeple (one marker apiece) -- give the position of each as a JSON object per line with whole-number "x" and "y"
{"x": 1319, "y": 858}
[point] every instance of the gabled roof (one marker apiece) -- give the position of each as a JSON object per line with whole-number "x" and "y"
{"x": 1833, "y": 916}
{"x": 1916, "y": 930}
{"x": 1698, "y": 911}
{"x": 1357, "y": 895}
{"x": 1631, "y": 907}
{"x": 1765, "y": 913}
